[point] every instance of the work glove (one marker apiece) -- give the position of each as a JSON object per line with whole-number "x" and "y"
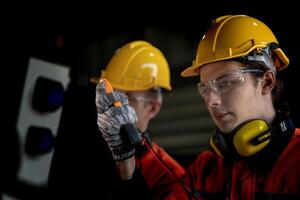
{"x": 111, "y": 118}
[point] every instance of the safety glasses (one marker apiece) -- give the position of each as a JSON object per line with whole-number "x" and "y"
{"x": 225, "y": 82}
{"x": 135, "y": 98}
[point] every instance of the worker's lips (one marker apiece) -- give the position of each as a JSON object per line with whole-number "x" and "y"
{"x": 220, "y": 115}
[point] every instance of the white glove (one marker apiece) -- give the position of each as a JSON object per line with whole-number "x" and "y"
{"x": 110, "y": 119}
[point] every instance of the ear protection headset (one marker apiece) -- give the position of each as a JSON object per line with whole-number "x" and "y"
{"x": 248, "y": 138}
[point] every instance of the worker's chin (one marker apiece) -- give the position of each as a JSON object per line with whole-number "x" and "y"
{"x": 226, "y": 128}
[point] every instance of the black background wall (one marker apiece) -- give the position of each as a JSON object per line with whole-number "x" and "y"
{"x": 82, "y": 165}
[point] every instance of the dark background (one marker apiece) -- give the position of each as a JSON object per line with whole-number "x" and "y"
{"x": 84, "y": 37}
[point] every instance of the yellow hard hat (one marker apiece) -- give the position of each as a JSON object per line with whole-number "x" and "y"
{"x": 136, "y": 66}
{"x": 234, "y": 36}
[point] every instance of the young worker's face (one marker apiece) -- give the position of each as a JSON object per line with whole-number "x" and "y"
{"x": 230, "y": 95}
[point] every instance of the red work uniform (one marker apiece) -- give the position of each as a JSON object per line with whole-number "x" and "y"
{"x": 274, "y": 174}
{"x": 157, "y": 176}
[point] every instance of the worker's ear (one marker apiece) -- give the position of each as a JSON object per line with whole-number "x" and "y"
{"x": 153, "y": 108}
{"x": 269, "y": 80}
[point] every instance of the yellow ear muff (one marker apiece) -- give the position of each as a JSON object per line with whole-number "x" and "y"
{"x": 255, "y": 129}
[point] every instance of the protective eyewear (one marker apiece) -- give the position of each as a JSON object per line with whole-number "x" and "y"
{"x": 225, "y": 82}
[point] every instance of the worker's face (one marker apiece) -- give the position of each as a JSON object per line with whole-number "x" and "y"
{"x": 143, "y": 106}
{"x": 230, "y": 95}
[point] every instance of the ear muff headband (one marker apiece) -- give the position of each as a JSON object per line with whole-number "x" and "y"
{"x": 214, "y": 147}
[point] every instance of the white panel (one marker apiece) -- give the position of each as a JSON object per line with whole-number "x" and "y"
{"x": 35, "y": 170}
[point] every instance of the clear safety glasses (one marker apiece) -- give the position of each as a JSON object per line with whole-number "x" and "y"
{"x": 225, "y": 82}
{"x": 136, "y": 99}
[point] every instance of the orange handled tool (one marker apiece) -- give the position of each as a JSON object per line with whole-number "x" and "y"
{"x": 127, "y": 131}
{"x": 109, "y": 89}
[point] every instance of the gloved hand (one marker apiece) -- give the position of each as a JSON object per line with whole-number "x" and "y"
{"x": 110, "y": 119}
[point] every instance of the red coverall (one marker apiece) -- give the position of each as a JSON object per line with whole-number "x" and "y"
{"x": 157, "y": 177}
{"x": 211, "y": 177}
